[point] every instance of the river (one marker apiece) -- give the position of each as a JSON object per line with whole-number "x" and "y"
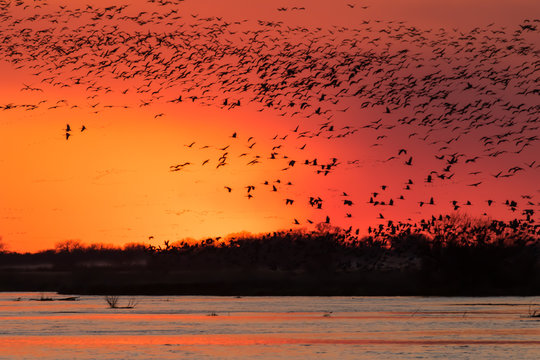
{"x": 205, "y": 327}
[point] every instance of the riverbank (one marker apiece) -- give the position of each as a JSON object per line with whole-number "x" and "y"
{"x": 497, "y": 259}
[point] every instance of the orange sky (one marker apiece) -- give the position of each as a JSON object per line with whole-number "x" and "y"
{"x": 112, "y": 184}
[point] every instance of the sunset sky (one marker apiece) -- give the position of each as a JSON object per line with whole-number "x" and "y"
{"x": 119, "y": 72}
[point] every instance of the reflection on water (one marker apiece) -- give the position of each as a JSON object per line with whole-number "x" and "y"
{"x": 269, "y": 328}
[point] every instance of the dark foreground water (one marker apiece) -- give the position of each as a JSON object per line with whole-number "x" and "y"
{"x": 194, "y": 327}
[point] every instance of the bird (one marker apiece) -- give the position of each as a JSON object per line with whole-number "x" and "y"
{"x": 304, "y": 73}
{"x": 475, "y": 184}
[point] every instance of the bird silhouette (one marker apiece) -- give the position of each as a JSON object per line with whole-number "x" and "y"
{"x": 440, "y": 89}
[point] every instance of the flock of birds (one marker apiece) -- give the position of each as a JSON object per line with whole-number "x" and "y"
{"x": 467, "y": 96}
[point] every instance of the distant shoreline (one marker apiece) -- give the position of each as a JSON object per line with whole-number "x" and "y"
{"x": 495, "y": 259}
{"x": 237, "y": 283}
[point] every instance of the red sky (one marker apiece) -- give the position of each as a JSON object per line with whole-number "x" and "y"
{"x": 112, "y": 183}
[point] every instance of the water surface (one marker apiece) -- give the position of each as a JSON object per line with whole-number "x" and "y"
{"x": 199, "y": 327}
